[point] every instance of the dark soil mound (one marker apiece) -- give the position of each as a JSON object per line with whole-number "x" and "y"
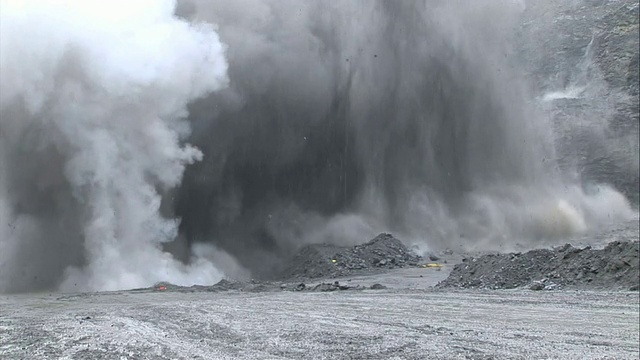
{"x": 615, "y": 267}
{"x": 316, "y": 261}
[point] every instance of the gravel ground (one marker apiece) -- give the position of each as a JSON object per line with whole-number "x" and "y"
{"x": 406, "y": 321}
{"x": 406, "y": 318}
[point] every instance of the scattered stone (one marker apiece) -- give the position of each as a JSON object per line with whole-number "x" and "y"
{"x": 300, "y": 287}
{"x": 551, "y": 286}
{"x": 225, "y": 285}
{"x": 324, "y": 287}
{"x": 536, "y": 286}
{"x": 378, "y": 287}
{"x": 434, "y": 257}
{"x": 614, "y": 267}
{"x": 324, "y": 260}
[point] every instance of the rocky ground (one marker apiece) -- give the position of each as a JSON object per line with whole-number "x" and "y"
{"x": 326, "y": 260}
{"x": 327, "y": 267}
{"x": 408, "y": 320}
{"x": 358, "y": 309}
{"x": 616, "y": 267}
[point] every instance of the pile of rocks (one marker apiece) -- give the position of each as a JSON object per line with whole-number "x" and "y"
{"x": 335, "y": 286}
{"x": 615, "y": 267}
{"x": 316, "y": 261}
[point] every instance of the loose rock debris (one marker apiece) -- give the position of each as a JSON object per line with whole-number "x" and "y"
{"x": 378, "y": 287}
{"x": 318, "y": 261}
{"x": 613, "y": 268}
{"x": 324, "y": 287}
{"x": 321, "y": 261}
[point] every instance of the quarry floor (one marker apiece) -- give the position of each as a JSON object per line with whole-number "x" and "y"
{"x": 408, "y": 320}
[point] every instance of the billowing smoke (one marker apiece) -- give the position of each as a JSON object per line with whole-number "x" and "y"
{"x": 93, "y": 107}
{"x": 347, "y": 118}
{"x": 341, "y": 119}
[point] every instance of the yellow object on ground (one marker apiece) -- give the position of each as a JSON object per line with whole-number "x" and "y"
{"x": 432, "y": 265}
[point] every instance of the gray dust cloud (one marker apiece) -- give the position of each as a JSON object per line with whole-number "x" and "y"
{"x": 183, "y": 142}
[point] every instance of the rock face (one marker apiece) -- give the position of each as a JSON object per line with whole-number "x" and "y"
{"x": 615, "y": 267}
{"x": 316, "y": 261}
{"x": 582, "y": 57}
{"x": 557, "y": 36}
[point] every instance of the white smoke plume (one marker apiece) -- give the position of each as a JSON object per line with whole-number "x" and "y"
{"x": 92, "y": 121}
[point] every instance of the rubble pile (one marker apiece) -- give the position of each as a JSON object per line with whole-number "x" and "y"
{"x": 613, "y": 268}
{"x": 326, "y": 287}
{"x": 316, "y": 261}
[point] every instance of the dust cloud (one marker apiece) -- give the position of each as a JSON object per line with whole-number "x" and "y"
{"x": 346, "y": 119}
{"x": 93, "y": 116}
{"x": 155, "y": 141}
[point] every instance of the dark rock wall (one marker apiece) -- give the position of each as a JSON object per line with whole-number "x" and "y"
{"x": 589, "y": 50}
